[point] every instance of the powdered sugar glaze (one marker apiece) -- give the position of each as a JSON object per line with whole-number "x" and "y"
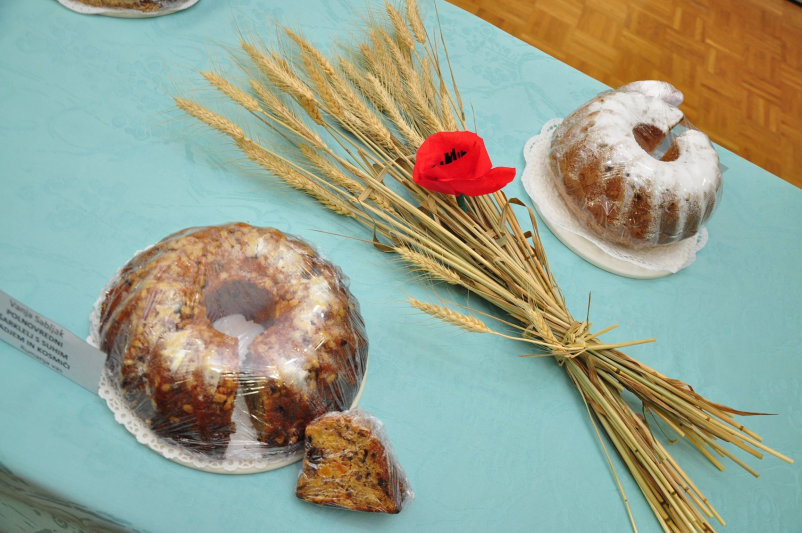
{"x": 602, "y": 159}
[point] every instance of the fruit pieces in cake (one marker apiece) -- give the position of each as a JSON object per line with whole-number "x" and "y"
{"x": 349, "y": 463}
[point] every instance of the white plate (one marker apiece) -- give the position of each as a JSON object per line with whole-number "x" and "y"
{"x": 596, "y": 257}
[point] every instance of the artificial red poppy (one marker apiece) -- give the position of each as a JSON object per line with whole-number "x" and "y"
{"x": 457, "y": 162}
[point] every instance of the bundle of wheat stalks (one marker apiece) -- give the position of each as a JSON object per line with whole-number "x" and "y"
{"x": 345, "y": 129}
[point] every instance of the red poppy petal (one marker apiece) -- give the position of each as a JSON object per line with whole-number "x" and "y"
{"x": 466, "y": 146}
{"x": 483, "y": 164}
{"x": 470, "y": 173}
{"x": 444, "y": 187}
{"x": 489, "y": 183}
{"x": 463, "y": 168}
{"x": 432, "y": 150}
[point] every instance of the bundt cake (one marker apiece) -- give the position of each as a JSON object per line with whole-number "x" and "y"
{"x": 601, "y": 160}
{"x": 182, "y": 376}
{"x": 350, "y": 464}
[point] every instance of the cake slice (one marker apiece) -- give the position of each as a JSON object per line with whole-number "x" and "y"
{"x": 349, "y": 463}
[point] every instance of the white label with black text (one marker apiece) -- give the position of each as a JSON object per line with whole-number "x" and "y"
{"x": 49, "y": 343}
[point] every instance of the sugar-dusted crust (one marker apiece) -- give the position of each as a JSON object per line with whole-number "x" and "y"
{"x": 348, "y": 464}
{"x": 182, "y": 376}
{"x": 600, "y": 159}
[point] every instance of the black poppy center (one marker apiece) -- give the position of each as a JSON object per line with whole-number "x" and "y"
{"x": 453, "y": 155}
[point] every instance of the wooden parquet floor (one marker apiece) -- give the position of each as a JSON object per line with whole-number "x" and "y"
{"x": 738, "y": 62}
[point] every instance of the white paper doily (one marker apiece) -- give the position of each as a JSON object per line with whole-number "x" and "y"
{"x": 170, "y": 7}
{"x": 108, "y": 390}
{"x": 139, "y": 429}
{"x": 640, "y": 264}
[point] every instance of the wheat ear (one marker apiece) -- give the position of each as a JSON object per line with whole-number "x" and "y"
{"x": 445, "y": 108}
{"x": 323, "y": 89}
{"x": 401, "y": 29}
{"x": 431, "y": 267}
{"x": 286, "y": 116}
{"x": 358, "y": 79}
{"x": 313, "y": 52}
{"x": 210, "y": 118}
{"x": 282, "y": 77}
{"x": 415, "y": 92}
{"x": 415, "y": 21}
{"x": 390, "y": 107}
{"x": 340, "y": 179}
{"x": 380, "y": 62}
{"x": 276, "y": 166}
{"x": 466, "y": 322}
{"x": 232, "y": 91}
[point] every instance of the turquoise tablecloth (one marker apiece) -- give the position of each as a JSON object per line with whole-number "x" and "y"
{"x": 94, "y": 166}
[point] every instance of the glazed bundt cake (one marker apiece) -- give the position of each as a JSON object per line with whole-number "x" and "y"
{"x": 600, "y": 159}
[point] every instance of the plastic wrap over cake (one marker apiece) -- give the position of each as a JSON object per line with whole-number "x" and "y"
{"x": 128, "y": 8}
{"x": 228, "y": 340}
{"x": 350, "y": 463}
{"x": 633, "y": 169}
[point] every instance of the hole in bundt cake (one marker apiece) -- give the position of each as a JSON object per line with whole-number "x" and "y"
{"x": 239, "y": 297}
{"x": 242, "y": 310}
{"x": 661, "y": 147}
{"x": 648, "y": 137}
{"x": 245, "y": 331}
{"x": 672, "y": 154}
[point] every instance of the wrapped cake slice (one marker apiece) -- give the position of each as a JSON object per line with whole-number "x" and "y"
{"x": 349, "y": 463}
